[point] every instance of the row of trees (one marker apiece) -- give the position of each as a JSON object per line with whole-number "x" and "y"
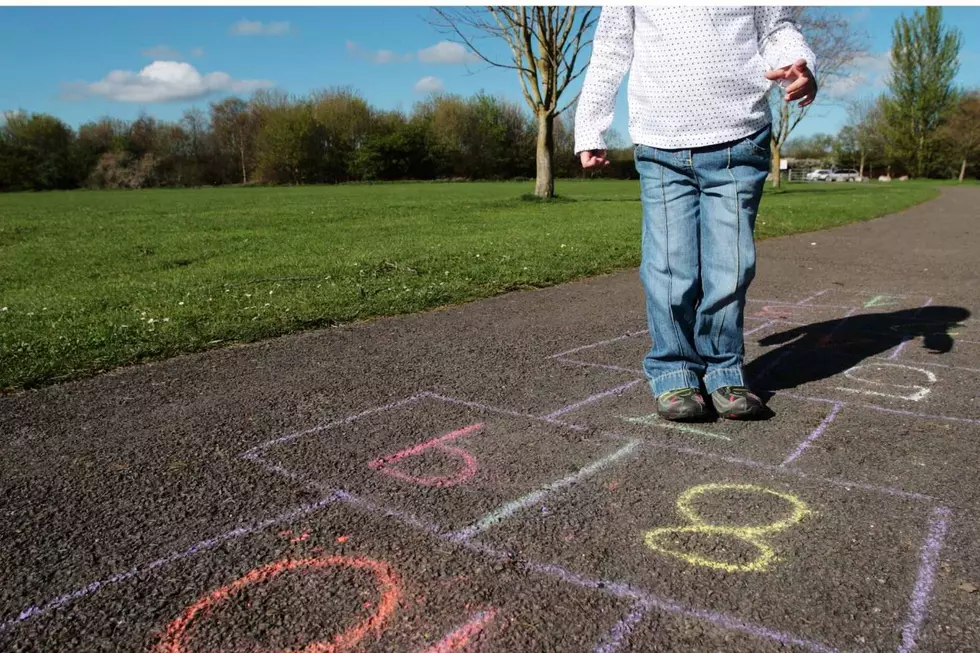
{"x": 864, "y": 144}
{"x": 923, "y": 125}
{"x": 330, "y": 136}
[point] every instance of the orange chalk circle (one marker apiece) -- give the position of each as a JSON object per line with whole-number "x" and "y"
{"x": 176, "y": 639}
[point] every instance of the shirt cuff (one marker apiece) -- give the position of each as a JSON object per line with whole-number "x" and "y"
{"x": 589, "y": 142}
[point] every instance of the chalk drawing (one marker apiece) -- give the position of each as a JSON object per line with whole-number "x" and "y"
{"x": 460, "y": 638}
{"x": 918, "y": 394}
{"x": 807, "y": 300}
{"x": 591, "y": 399}
{"x": 620, "y": 632}
{"x": 881, "y": 300}
{"x": 384, "y": 465}
{"x": 532, "y": 498}
{"x": 654, "y": 420}
{"x": 929, "y": 560}
{"x": 754, "y": 535}
{"x": 175, "y": 639}
{"x": 815, "y": 433}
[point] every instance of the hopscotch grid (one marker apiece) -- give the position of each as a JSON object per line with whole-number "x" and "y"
{"x": 917, "y": 610}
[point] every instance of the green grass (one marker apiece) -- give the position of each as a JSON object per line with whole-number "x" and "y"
{"x": 94, "y": 280}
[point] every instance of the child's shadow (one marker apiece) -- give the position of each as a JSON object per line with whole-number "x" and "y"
{"x": 833, "y": 347}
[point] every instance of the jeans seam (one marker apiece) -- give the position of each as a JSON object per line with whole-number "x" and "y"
{"x": 670, "y": 273}
{"x": 738, "y": 250}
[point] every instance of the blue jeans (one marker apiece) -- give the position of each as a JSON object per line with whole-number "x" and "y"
{"x": 698, "y": 258}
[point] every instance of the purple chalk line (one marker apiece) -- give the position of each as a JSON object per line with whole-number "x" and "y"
{"x": 718, "y": 618}
{"x": 812, "y": 297}
{"x": 896, "y": 411}
{"x": 629, "y": 334}
{"x": 203, "y": 545}
{"x": 938, "y": 525}
{"x": 602, "y": 366}
{"x": 896, "y": 352}
{"x": 790, "y": 471}
{"x": 588, "y": 400}
{"x": 621, "y": 631}
{"x": 504, "y": 411}
{"x": 928, "y": 302}
{"x": 342, "y": 422}
{"x": 882, "y": 409}
{"x": 764, "y": 325}
{"x": 814, "y": 434}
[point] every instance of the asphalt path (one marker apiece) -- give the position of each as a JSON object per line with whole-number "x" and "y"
{"x": 493, "y": 477}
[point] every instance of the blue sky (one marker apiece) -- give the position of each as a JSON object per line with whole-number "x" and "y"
{"x": 60, "y": 60}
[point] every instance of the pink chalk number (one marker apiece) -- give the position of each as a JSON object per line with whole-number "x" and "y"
{"x": 466, "y": 472}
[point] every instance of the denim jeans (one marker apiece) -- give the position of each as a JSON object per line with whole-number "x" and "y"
{"x": 698, "y": 258}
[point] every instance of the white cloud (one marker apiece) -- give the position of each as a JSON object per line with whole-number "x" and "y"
{"x": 376, "y": 56}
{"x": 162, "y": 52}
{"x": 429, "y": 85}
{"x": 867, "y": 73}
{"x": 447, "y": 52}
{"x": 166, "y": 81}
{"x": 258, "y": 28}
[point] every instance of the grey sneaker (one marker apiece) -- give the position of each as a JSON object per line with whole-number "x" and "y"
{"x": 737, "y": 402}
{"x": 682, "y": 405}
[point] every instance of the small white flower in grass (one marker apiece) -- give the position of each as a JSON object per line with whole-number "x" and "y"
{"x": 267, "y": 304}
{"x": 151, "y": 320}
{"x": 270, "y": 292}
{"x": 3, "y": 309}
{"x": 247, "y": 295}
{"x": 563, "y": 245}
{"x": 166, "y": 319}
{"x": 180, "y": 303}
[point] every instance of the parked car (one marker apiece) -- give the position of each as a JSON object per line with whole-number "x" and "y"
{"x": 845, "y": 175}
{"x": 819, "y": 175}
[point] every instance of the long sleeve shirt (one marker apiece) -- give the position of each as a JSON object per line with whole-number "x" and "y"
{"x": 697, "y": 74}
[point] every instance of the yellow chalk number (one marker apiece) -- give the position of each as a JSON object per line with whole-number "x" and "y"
{"x": 657, "y": 539}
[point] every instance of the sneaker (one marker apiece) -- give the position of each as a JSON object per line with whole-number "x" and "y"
{"x": 682, "y": 405}
{"x": 737, "y": 402}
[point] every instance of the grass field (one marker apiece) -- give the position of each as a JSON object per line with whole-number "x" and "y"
{"x": 94, "y": 280}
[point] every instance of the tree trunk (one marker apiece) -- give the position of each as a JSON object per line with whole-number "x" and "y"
{"x": 963, "y": 170}
{"x": 545, "y": 184}
{"x": 861, "y": 171}
{"x": 244, "y": 174}
{"x": 776, "y": 172}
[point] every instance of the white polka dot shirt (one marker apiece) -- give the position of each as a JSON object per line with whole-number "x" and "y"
{"x": 697, "y": 74}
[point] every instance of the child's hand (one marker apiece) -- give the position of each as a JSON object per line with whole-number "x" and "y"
{"x": 798, "y": 81}
{"x": 594, "y": 158}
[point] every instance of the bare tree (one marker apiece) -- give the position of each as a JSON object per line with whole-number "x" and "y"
{"x": 545, "y": 47}
{"x": 835, "y": 46}
{"x": 865, "y": 116}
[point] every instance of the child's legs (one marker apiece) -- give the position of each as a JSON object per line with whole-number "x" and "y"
{"x": 732, "y": 179}
{"x": 669, "y": 267}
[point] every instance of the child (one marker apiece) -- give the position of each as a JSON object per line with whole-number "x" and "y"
{"x": 699, "y": 116}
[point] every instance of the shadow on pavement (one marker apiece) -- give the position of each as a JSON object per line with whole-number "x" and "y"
{"x": 835, "y": 346}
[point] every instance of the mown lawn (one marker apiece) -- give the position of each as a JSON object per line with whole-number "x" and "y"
{"x": 93, "y": 280}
